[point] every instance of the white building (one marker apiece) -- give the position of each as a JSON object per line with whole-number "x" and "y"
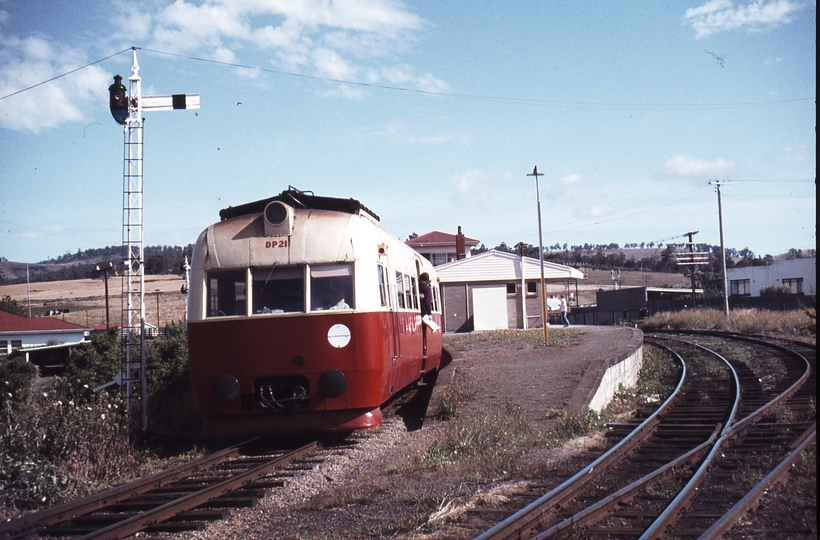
{"x": 497, "y": 290}
{"x": 799, "y": 274}
{"x": 18, "y": 332}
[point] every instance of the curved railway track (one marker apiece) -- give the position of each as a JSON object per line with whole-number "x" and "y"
{"x": 181, "y": 498}
{"x": 701, "y": 460}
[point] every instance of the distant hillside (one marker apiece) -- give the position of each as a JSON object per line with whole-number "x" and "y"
{"x": 158, "y": 260}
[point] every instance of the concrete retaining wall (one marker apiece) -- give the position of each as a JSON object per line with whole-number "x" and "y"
{"x": 620, "y": 366}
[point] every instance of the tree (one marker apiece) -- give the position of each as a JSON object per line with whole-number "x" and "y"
{"x": 10, "y": 305}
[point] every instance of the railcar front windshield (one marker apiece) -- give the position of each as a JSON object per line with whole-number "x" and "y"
{"x": 331, "y": 287}
{"x": 278, "y": 289}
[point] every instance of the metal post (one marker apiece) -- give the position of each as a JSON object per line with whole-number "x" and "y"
{"x": 132, "y": 245}
{"x": 544, "y": 321}
{"x": 156, "y": 292}
{"x": 133, "y": 308}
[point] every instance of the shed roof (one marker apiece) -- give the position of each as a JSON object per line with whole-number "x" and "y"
{"x": 9, "y": 322}
{"x": 496, "y": 265}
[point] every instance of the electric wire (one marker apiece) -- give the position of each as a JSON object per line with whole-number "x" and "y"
{"x": 474, "y": 97}
{"x": 64, "y": 74}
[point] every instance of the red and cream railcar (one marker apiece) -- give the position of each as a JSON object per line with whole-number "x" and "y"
{"x": 304, "y": 317}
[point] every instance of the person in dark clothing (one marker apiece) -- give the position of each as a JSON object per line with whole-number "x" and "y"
{"x": 426, "y": 294}
{"x": 427, "y": 301}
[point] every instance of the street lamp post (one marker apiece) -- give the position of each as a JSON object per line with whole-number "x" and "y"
{"x": 544, "y": 322}
{"x": 156, "y": 292}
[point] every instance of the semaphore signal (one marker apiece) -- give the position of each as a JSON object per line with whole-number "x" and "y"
{"x": 127, "y": 108}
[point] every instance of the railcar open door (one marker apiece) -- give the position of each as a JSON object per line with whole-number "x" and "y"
{"x": 389, "y": 300}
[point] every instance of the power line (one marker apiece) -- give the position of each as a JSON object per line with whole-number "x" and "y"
{"x": 64, "y": 74}
{"x": 475, "y": 97}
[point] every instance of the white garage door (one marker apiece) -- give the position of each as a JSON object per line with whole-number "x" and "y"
{"x": 490, "y": 308}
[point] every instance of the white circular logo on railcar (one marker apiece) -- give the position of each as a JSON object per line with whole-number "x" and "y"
{"x": 338, "y": 335}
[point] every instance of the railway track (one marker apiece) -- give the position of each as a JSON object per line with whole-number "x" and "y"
{"x": 701, "y": 460}
{"x": 181, "y": 498}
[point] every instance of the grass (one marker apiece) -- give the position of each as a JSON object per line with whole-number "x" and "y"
{"x": 797, "y": 323}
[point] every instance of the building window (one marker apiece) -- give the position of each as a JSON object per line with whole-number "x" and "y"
{"x": 532, "y": 288}
{"x": 795, "y": 284}
{"x": 16, "y": 344}
{"x": 510, "y": 288}
{"x": 441, "y": 258}
{"x": 740, "y": 287}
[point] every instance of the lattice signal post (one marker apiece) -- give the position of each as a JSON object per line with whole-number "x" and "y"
{"x": 127, "y": 109}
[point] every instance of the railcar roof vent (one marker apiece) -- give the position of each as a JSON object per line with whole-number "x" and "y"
{"x": 278, "y": 219}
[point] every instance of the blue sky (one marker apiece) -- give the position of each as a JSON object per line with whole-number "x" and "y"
{"x": 430, "y": 113}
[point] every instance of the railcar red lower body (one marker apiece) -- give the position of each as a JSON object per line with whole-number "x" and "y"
{"x": 315, "y": 373}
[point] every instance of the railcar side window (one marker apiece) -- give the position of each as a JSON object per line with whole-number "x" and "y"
{"x": 331, "y": 287}
{"x": 227, "y": 293}
{"x": 278, "y": 290}
{"x": 414, "y": 292}
{"x": 400, "y": 289}
{"x": 408, "y": 302}
{"x": 382, "y": 285}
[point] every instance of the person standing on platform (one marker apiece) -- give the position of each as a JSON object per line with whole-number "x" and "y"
{"x": 563, "y": 307}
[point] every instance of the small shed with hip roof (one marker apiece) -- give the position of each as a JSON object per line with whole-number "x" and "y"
{"x": 498, "y": 290}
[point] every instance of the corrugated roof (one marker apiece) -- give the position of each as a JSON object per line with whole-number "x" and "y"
{"x": 437, "y": 238}
{"x": 10, "y": 322}
{"x": 496, "y": 265}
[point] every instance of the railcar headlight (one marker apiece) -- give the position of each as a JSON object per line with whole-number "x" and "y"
{"x": 332, "y": 383}
{"x": 338, "y": 335}
{"x": 278, "y": 219}
{"x": 225, "y": 388}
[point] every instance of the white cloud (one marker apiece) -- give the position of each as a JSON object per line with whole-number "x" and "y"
{"x": 799, "y": 153}
{"x": 570, "y": 177}
{"x": 30, "y": 61}
{"x": 404, "y": 75}
{"x": 687, "y": 167}
{"x": 722, "y": 15}
{"x": 329, "y": 63}
{"x": 474, "y": 188}
{"x": 404, "y": 134}
{"x": 339, "y": 40}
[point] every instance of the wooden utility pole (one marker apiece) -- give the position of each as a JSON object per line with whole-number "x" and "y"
{"x": 717, "y": 184}
{"x": 544, "y": 322}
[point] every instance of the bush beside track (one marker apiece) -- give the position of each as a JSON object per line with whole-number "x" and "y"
{"x": 60, "y": 440}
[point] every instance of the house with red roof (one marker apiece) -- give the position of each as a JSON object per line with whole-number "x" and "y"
{"x": 18, "y": 332}
{"x": 440, "y": 248}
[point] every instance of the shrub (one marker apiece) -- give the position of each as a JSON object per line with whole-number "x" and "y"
{"x": 60, "y": 440}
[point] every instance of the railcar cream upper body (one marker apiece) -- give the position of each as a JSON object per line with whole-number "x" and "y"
{"x": 313, "y": 244}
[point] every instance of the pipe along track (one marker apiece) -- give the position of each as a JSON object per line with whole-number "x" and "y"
{"x": 700, "y": 461}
